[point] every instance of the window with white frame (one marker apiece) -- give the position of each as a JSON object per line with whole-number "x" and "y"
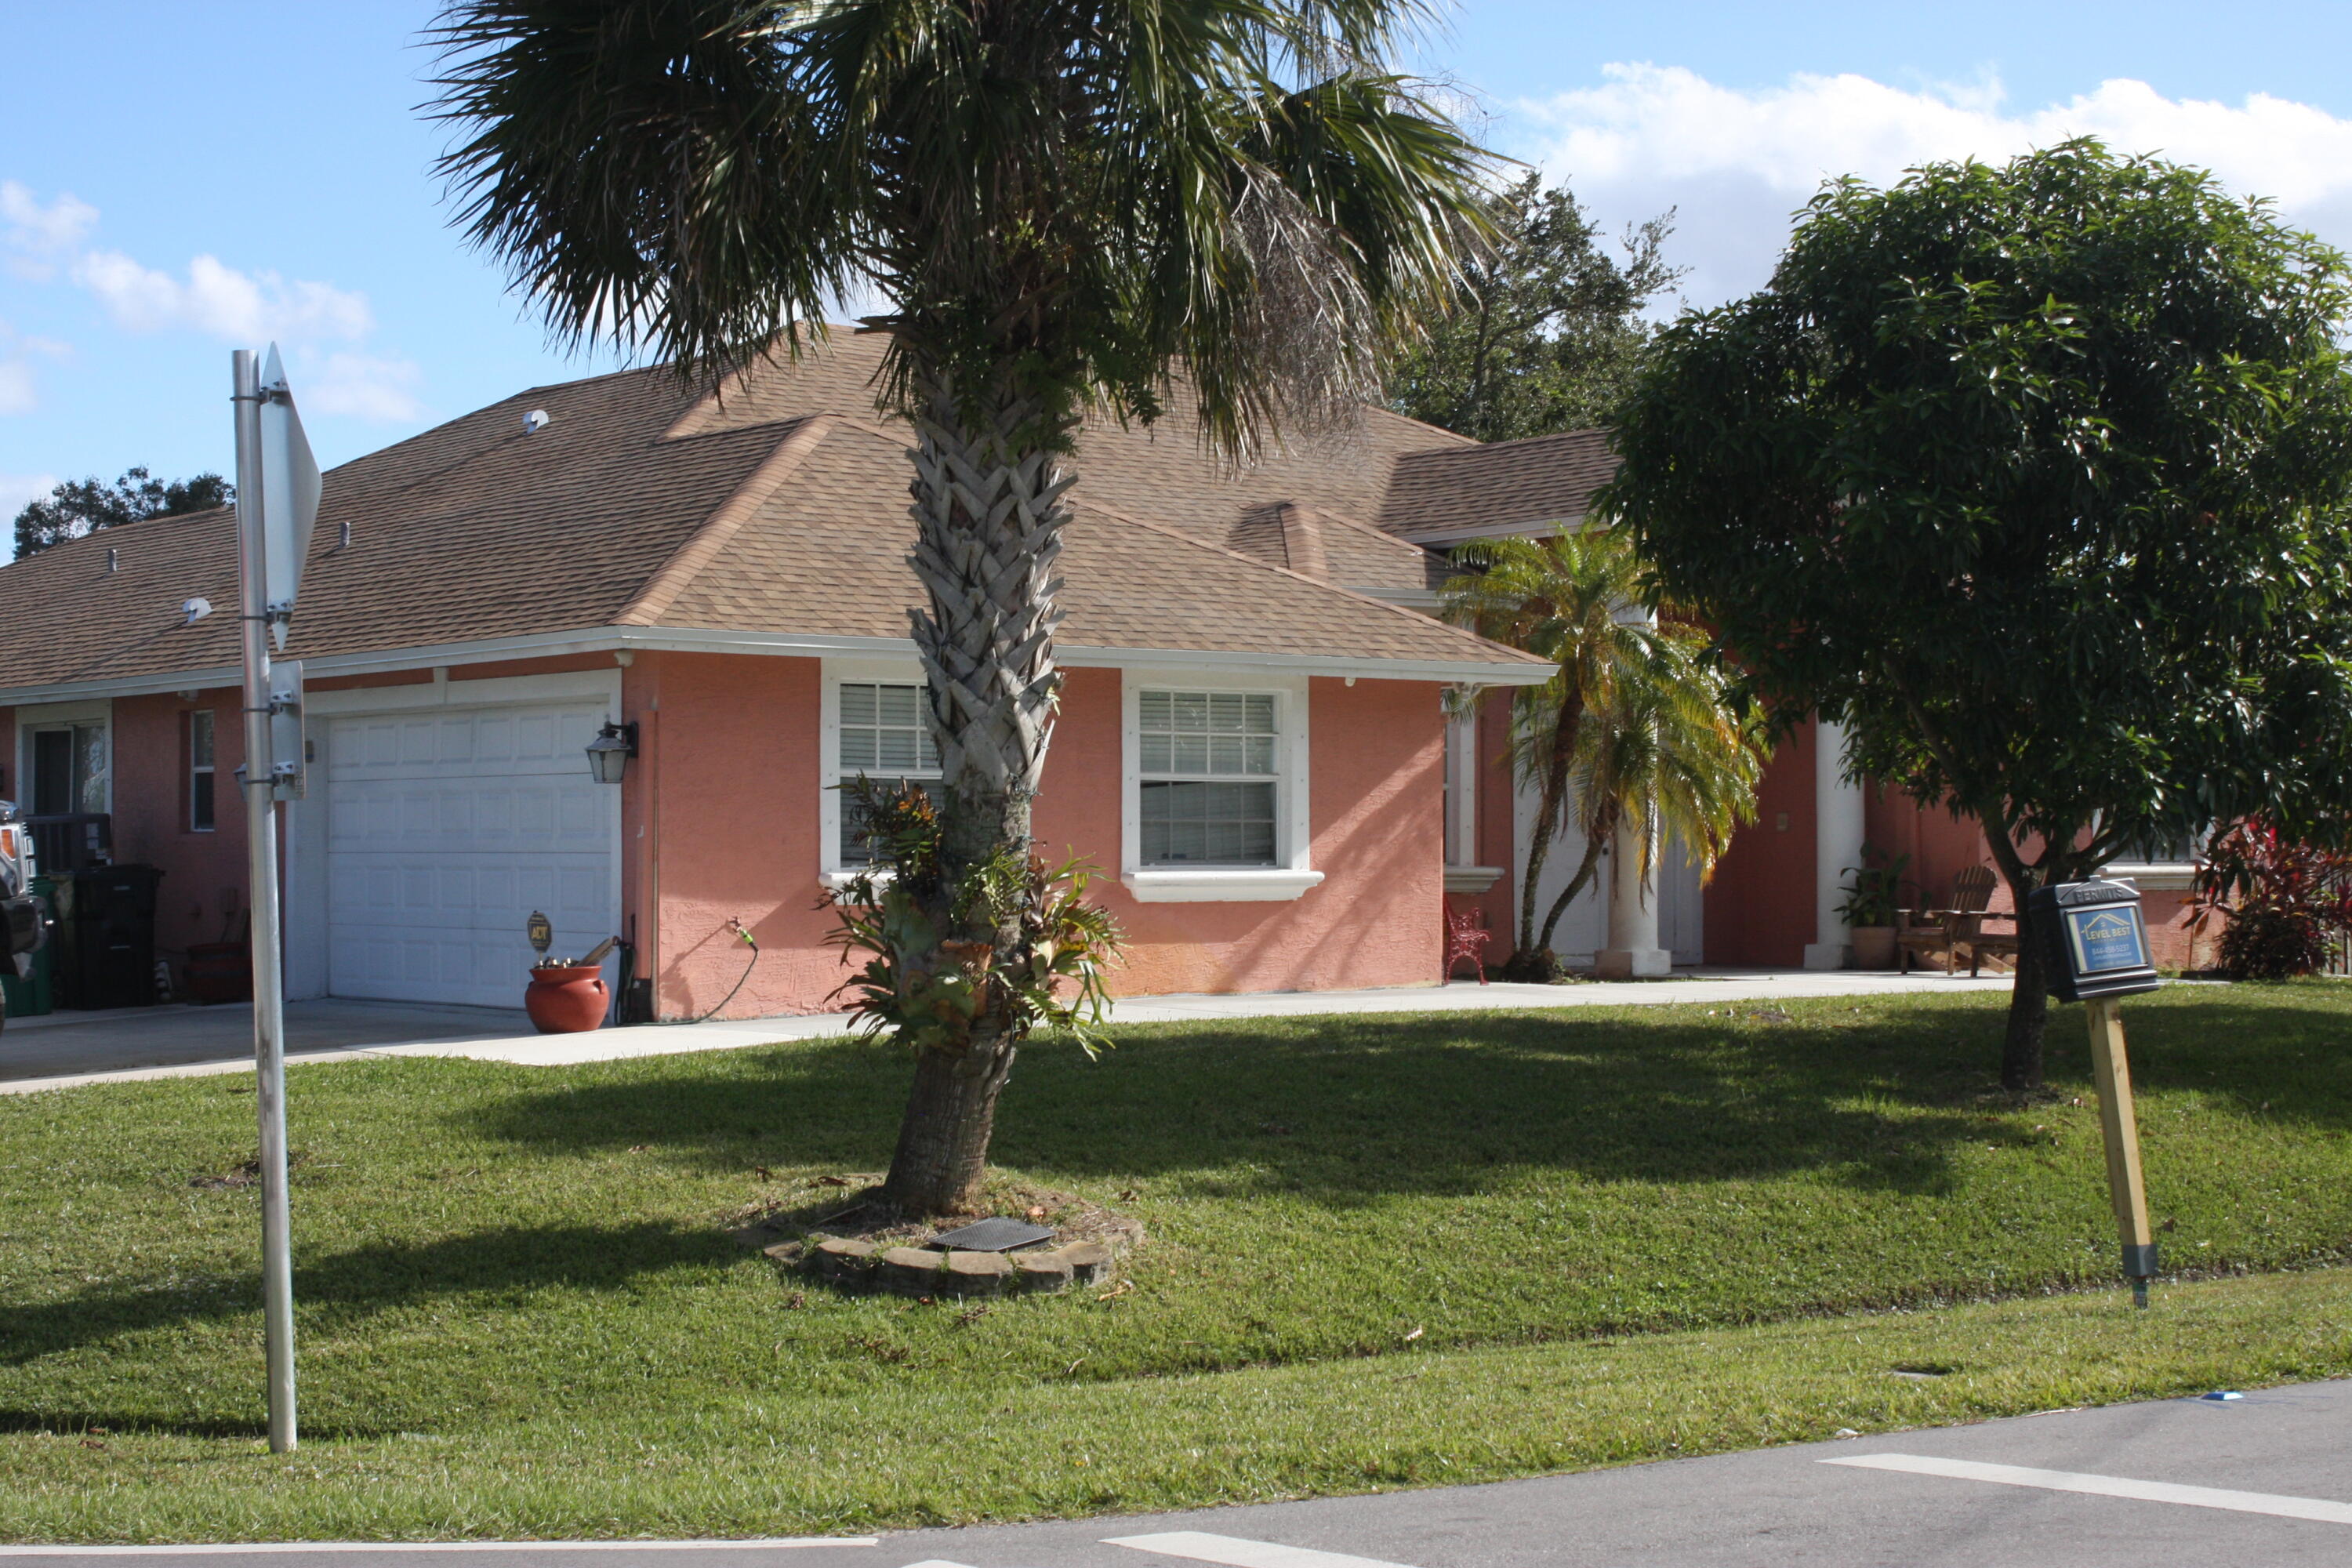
{"x": 883, "y": 739}
{"x": 68, "y": 767}
{"x": 1209, "y": 774}
{"x": 200, "y": 770}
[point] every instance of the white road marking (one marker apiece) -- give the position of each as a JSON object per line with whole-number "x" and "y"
{"x": 215, "y": 1548}
{"x": 2320, "y": 1508}
{"x": 1236, "y": 1553}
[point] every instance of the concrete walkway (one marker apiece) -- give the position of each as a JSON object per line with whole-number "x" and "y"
{"x": 65, "y": 1050}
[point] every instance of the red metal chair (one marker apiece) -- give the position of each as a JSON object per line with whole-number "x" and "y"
{"x": 1465, "y": 938}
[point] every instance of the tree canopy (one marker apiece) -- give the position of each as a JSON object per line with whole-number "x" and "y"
{"x": 79, "y": 506}
{"x": 2038, "y": 477}
{"x": 1547, "y": 325}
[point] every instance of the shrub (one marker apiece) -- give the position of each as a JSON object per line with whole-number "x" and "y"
{"x": 2287, "y": 905}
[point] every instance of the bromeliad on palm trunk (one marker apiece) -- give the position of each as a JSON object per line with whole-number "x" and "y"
{"x": 965, "y": 1002}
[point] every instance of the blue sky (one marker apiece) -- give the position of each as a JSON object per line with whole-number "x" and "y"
{"x": 176, "y": 180}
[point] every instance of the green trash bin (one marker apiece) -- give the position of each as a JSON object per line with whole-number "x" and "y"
{"x": 36, "y": 993}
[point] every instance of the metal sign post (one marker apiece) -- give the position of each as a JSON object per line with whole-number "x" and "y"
{"x": 2096, "y": 947}
{"x": 261, "y": 859}
{"x": 276, "y": 499}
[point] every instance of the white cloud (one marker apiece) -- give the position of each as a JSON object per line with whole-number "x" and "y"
{"x": 17, "y": 393}
{"x": 16, "y": 489}
{"x": 362, "y": 385}
{"x": 1738, "y": 162}
{"x": 220, "y": 300}
{"x": 37, "y": 234}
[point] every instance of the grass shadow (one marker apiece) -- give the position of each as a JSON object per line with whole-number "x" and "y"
{"x": 1351, "y": 1108}
{"x": 338, "y": 1288}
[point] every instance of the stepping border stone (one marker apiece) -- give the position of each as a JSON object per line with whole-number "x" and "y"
{"x": 911, "y": 1271}
{"x": 978, "y": 1273}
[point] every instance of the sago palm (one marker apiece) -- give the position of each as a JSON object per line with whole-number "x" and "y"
{"x": 1068, "y": 205}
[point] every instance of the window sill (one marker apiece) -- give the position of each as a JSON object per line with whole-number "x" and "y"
{"x": 1208, "y": 885}
{"x": 2154, "y": 875}
{"x": 1472, "y": 879}
{"x": 834, "y": 881}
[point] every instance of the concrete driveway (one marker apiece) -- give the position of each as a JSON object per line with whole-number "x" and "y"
{"x": 127, "y": 1039}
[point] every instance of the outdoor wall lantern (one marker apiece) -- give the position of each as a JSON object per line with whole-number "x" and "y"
{"x": 609, "y": 752}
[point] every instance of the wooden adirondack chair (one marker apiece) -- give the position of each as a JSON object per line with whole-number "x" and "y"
{"x": 1944, "y": 933}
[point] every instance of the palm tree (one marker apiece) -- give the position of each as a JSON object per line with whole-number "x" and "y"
{"x": 1064, "y": 202}
{"x": 1666, "y": 757}
{"x": 1632, "y": 727}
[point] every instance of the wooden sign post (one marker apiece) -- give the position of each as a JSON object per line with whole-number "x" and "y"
{"x": 2112, "y": 1070}
{"x": 2096, "y": 947}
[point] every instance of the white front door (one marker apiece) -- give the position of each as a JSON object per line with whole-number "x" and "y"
{"x": 446, "y": 829}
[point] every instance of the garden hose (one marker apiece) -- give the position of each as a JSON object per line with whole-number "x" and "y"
{"x": 745, "y": 932}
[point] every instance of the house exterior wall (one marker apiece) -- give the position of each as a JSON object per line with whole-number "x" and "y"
{"x": 719, "y": 820}
{"x": 1760, "y": 905}
{"x": 204, "y": 873}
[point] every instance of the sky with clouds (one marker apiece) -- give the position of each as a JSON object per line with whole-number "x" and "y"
{"x": 178, "y": 180}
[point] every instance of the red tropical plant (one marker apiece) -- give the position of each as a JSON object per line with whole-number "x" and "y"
{"x": 2287, "y": 905}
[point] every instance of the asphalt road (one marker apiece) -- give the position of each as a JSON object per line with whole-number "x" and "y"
{"x": 2265, "y": 1480}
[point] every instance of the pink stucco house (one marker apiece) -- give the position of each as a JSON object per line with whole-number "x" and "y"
{"x": 727, "y": 573}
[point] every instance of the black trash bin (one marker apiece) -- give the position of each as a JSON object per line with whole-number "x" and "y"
{"x": 66, "y": 842}
{"x": 105, "y": 937}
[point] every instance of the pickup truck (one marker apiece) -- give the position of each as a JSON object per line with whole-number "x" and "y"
{"x": 24, "y": 915}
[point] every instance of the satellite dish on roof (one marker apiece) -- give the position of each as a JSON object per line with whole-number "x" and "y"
{"x": 195, "y": 610}
{"x": 535, "y": 421}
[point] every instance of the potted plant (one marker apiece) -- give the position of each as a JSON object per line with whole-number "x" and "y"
{"x": 1870, "y": 905}
{"x": 567, "y": 996}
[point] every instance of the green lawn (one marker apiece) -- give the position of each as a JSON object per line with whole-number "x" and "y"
{"x": 1385, "y": 1251}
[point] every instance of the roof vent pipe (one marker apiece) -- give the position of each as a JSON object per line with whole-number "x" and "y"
{"x": 113, "y": 559}
{"x": 536, "y": 421}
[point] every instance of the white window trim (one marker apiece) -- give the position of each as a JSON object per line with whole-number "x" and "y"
{"x": 188, "y": 779}
{"x": 1294, "y": 834}
{"x": 831, "y": 869}
{"x": 50, "y": 716}
{"x": 2154, "y": 875}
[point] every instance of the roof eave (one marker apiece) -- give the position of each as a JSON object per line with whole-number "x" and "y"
{"x": 697, "y": 640}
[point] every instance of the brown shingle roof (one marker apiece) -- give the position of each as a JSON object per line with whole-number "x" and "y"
{"x": 780, "y": 507}
{"x": 828, "y": 551}
{"x": 1461, "y": 492}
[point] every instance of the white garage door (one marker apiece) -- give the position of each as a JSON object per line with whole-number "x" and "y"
{"x": 445, "y": 830}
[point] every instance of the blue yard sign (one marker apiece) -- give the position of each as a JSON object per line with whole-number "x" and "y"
{"x": 2107, "y": 940}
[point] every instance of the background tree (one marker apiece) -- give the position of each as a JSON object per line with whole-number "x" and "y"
{"x": 79, "y": 507}
{"x": 1632, "y": 727}
{"x": 2036, "y": 478}
{"x": 1548, "y": 325}
{"x": 1062, "y": 201}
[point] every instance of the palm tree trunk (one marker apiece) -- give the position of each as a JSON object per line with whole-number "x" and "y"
{"x": 989, "y": 508}
{"x": 1550, "y": 802}
{"x": 1576, "y": 884}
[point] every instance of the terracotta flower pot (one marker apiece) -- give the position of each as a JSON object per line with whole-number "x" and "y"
{"x": 1874, "y": 947}
{"x": 566, "y": 999}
